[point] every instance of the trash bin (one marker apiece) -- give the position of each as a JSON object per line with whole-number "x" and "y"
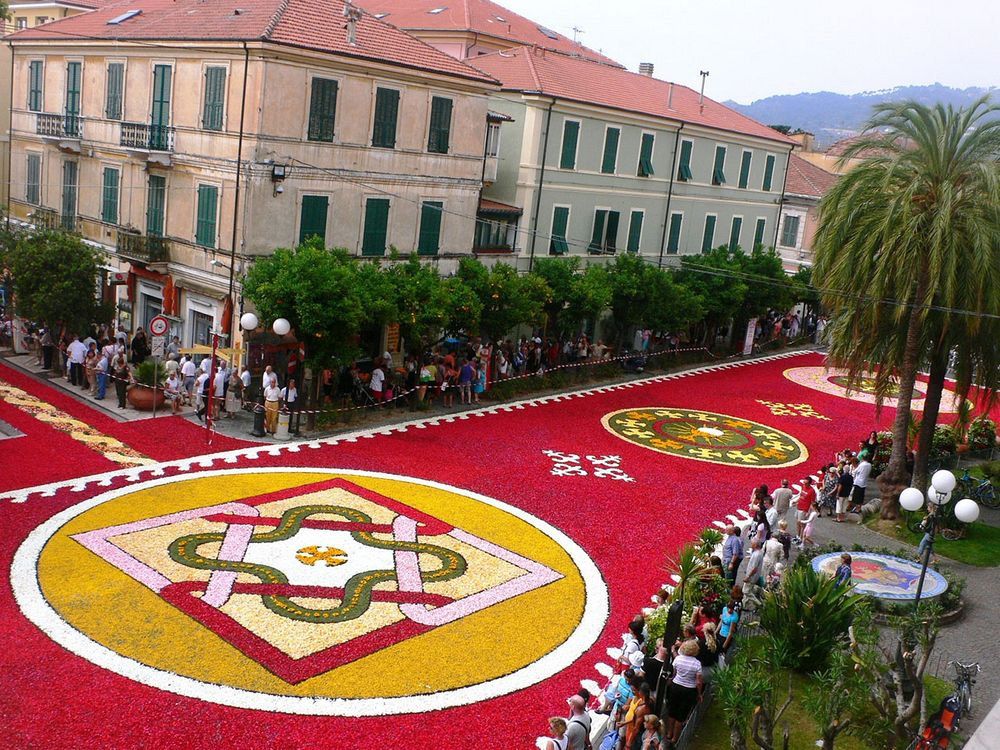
{"x": 282, "y": 432}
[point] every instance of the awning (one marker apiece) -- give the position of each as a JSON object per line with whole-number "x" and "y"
{"x": 492, "y": 116}
{"x": 229, "y": 354}
{"x": 494, "y": 210}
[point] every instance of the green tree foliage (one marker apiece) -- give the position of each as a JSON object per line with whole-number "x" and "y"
{"x": 421, "y": 302}
{"x": 642, "y": 294}
{"x": 508, "y": 299}
{"x": 574, "y": 295}
{"x": 560, "y": 275}
{"x": 836, "y": 696}
{"x": 55, "y": 277}
{"x": 804, "y": 291}
{"x": 770, "y": 286}
{"x": 714, "y": 278}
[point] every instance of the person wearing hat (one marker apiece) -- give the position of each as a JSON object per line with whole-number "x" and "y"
{"x": 578, "y": 727}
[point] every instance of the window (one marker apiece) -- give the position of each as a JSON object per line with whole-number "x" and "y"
{"x": 635, "y": 231}
{"x": 72, "y": 124}
{"x": 114, "y": 91}
{"x": 745, "y": 168}
{"x": 646, "y": 155}
{"x": 312, "y": 219}
{"x": 386, "y": 111}
{"x": 322, "y": 109}
{"x": 440, "y": 131}
{"x": 674, "y": 234}
{"x": 208, "y": 203}
{"x": 215, "y": 97}
{"x": 768, "y": 172}
{"x": 156, "y": 198}
{"x": 790, "y": 231}
{"x": 605, "y": 237}
{"x": 610, "y": 161}
{"x": 708, "y": 238}
{"x": 376, "y": 226}
{"x": 159, "y": 136}
{"x": 560, "y": 223}
{"x": 758, "y": 233}
{"x": 21, "y": 22}
{"x": 33, "y": 182}
{"x": 684, "y": 167}
{"x": 40, "y": 20}
{"x": 69, "y": 195}
{"x": 734, "y": 232}
{"x": 429, "y": 240}
{"x": 109, "y": 195}
{"x": 493, "y": 139}
{"x": 495, "y": 235}
{"x": 35, "y": 85}
{"x": 719, "y": 170}
{"x": 571, "y": 135}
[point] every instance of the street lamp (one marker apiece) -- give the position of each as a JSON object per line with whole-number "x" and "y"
{"x": 249, "y": 322}
{"x": 939, "y": 494}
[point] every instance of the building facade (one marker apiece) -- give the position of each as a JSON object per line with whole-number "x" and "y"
{"x": 805, "y": 188}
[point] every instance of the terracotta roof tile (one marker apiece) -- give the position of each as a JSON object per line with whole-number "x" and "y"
{"x": 805, "y": 178}
{"x": 312, "y": 24}
{"x": 479, "y": 16}
{"x": 565, "y": 77}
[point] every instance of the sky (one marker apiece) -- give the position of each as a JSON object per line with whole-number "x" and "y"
{"x": 758, "y": 48}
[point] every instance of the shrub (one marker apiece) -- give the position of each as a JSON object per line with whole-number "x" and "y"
{"x": 982, "y": 434}
{"x": 945, "y": 442}
{"x": 148, "y": 372}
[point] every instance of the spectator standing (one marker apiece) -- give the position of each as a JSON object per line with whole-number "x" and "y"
{"x": 578, "y": 726}
{"x": 122, "y": 374}
{"x": 290, "y": 397}
{"x": 465, "y": 377}
{"x": 845, "y": 485}
{"x": 557, "y": 739}
{"x": 684, "y": 690}
{"x": 752, "y": 576}
{"x": 101, "y": 371}
{"x": 844, "y": 572}
{"x": 188, "y": 372}
{"x": 377, "y": 383}
{"x": 862, "y": 471}
{"x": 809, "y": 523}
{"x": 732, "y": 553}
{"x": 172, "y": 389}
{"x": 77, "y": 354}
{"x": 782, "y": 498}
{"x": 651, "y": 733}
{"x": 806, "y": 499}
{"x": 140, "y": 347}
{"x": 272, "y": 402}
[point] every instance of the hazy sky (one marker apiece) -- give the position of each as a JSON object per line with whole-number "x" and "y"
{"x": 756, "y": 48}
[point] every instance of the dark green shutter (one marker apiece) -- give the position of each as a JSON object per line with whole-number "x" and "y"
{"x": 430, "y": 227}
{"x": 312, "y": 219}
{"x": 160, "y": 114}
{"x": 597, "y": 239}
{"x": 69, "y": 195}
{"x": 709, "y": 237}
{"x": 560, "y": 223}
{"x": 745, "y": 168}
{"x": 674, "y": 237}
{"x": 386, "y": 112}
{"x": 114, "y": 91}
{"x": 571, "y": 135}
{"x": 35, "y": 85}
{"x": 684, "y": 168}
{"x": 109, "y": 196}
{"x": 734, "y": 233}
{"x": 790, "y": 231}
{"x": 610, "y": 160}
{"x": 156, "y": 197}
{"x": 322, "y": 109}
{"x": 215, "y": 97}
{"x": 208, "y": 201}
{"x": 440, "y": 130}
{"x": 758, "y": 233}
{"x": 718, "y": 171}
{"x": 33, "y": 183}
{"x": 611, "y": 233}
{"x": 72, "y": 124}
{"x": 768, "y": 172}
{"x": 646, "y": 155}
{"x": 376, "y": 226}
{"x": 634, "y": 231}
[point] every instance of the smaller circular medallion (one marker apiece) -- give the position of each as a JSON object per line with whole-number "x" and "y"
{"x": 884, "y": 576}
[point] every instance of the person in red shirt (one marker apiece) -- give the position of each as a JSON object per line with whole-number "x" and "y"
{"x": 807, "y": 496}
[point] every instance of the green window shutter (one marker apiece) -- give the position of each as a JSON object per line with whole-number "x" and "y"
{"x": 610, "y": 161}
{"x": 440, "y": 130}
{"x": 109, "y": 196}
{"x": 646, "y": 155}
{"x": 634, "y": 231}
{"x": 560, "y": 223}
{"x": 33, "y": 183}
{"x": 376, "y": 226}
{"x": 768, "y": 172}
{"x": 597, "y": 239}
{"x": 69, "y": 193}
{"x": 674, "y": 236}
{"x": 611, "y": 234}
{"x": 73, "y": 89}
{"x": 684, "y": 168}
{"x": 386, "y": 112}
{"x": 322, "y": 109}
{"x": 745, "y": 168}
{"x": 208, "y": 201}
{"x": 156, "y": 196}
{"x": 159, "y": 118}
{"x": 758, "y": 233}
{"x": 790, "y": 231}
{"x": 215, "y": 97}
{"x": 35, "y": 85}
{"x": 430, "y": 227}
{"x": 708, "y": 239}
{"x": 114, "y": 91}
{"x": 571, "y": 135}
{"x": 718, "y": 171}
{"x": 734, "y": 233}
{"x": 312, "y": 219}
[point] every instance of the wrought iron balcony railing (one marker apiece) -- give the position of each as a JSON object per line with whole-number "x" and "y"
{"x": 59, "y": 126}
{"x": 147, "y": 137}
{"x": 146, "y": 248}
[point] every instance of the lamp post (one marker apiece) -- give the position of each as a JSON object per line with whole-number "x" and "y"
{"x": 249, "y": 322}
{"x": 939, "y": 495}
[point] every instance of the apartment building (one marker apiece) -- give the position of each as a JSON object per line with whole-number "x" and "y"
{"x": 804, "y": 189}
{"x": 186, "y": 137}
{"x": 600, "y": 160}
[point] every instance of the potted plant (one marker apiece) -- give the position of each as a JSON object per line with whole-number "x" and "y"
{"x": 147, "y": 391}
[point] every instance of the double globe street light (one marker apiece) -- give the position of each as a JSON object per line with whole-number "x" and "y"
{"x": 249, "y": 322}
{"x": 942, "y": 484}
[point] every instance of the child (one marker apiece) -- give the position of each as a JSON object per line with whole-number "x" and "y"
{"x": 844, "y": 570}
{"x": 809, "y": 522}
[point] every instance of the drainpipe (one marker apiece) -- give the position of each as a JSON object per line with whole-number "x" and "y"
{"x": 670, "y": 193}
{"x": 10, "y": 133}
{"x": 236, "y": 196}
{"x": 538, "y": 188}
{"x": 781, "y": 202}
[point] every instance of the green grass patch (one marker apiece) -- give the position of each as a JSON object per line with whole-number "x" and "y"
{"x": 980, "y": 546}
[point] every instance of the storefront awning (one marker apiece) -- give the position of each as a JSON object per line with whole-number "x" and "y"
{"x": 495, "y": 210}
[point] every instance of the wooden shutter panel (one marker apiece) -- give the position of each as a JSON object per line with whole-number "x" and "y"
{"x": 597, "y": 239}
{"x": 610, "y": 160}
{"x": 215, "y": 92}
{"x": 684, "y": 168}
{"x": 634, "y": 231}
{"x": 646, "y": 156}
{"x": 718, "y": 170}
{"x": 312, "y": 219}
{"x": 35, "y": 85}
{"x": 758, "y": 235}
{"x": 560, "y": 223}
{"x": 708, "y": 239}
{"x": 571, "y": 135}
{"x": 376, "y": 226}
{"x": 208, "y": 197}
{"x": 440, "y": 130}
{"x": 611, "y": 235}
{"x": 745, "y": 168}
{"x": 429, "y": 240}
{"x": 113, "y": 95}
{"x": 109, "y": 196}
{"x": 768, "y": 172}
{"x": 674, "y": 239}
{"x": 32, "y": 189}
{"x": 155, "y": 198}
{"x": 734, "y": 233}
{"x": 386, "y": 112}
{"x": 322, "y": 109}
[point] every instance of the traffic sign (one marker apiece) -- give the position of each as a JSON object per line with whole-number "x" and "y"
{"x": 159, "y": 326}
{"x": 158, "y": 345}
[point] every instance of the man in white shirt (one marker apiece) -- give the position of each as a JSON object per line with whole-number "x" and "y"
{"x": 172, "y": 390}
{"x": 272, "y": 402}
{"x": 270, "y": 377}
{"x": 290, "y": 395}
{"x": 201, "y": 393}
{"x": 244, "y": 386}
{"x": 862, "y": 470}
{"x": 377, "y": 383}
{"x": 76, "y": 352}
{"x": 101, "y": 370}
{"x": 188, "y": 372}
{"x": 218, "y": 401}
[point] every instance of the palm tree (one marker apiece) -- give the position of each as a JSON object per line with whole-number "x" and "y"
{"x": 913, "y": 229}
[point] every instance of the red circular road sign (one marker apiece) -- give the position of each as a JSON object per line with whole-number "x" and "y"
{"x": 159, "y": 325}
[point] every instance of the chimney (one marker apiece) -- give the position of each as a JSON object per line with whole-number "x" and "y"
{"x": 646, "y": 69}
{"x": 353, "y": 15}
{"x": 670, "y": 96}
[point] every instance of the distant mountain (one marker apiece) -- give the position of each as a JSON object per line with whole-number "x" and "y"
{"x": 832, "y": 116}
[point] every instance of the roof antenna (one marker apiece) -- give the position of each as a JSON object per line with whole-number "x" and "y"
{"x": 701, "y": 96}
{"x": 577, "y": 32}
{"x": 353, "y": 15}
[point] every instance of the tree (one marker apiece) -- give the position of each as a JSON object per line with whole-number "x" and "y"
{"x": 804, "y": 291}
{"x": 55, "y": 277}
{"x": 508, "y": 299}
{"x": 421, "y": 302}
{"x": 715, "y": 278}
{"x": 917, "y": 223}
{"x": 560, "y": 276}
{"x": 772, "y": 288}
{"x": 589, "y": 296}
{"x": 835, "y": 697}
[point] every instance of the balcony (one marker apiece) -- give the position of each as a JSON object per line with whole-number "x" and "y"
{"x": 45, "y": 218}
{"x": 137, "y": 135}
{"x": 144, "y": 248}
{"x": 59, "y": 126}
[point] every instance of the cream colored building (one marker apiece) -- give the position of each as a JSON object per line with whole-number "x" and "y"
{"x": 188, "y": 139}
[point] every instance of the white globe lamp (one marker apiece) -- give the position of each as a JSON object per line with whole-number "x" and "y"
{"x": 943, "y": 481}
{"x": 281, "y": 326}
{"x": 249, "y": 321}
{"x": 911, "y": 499}
{"x": 938, "y": 498}
{"x": 966, "y": 510}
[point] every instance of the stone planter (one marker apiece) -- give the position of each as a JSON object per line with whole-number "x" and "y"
{"x": 143, "y": 398}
